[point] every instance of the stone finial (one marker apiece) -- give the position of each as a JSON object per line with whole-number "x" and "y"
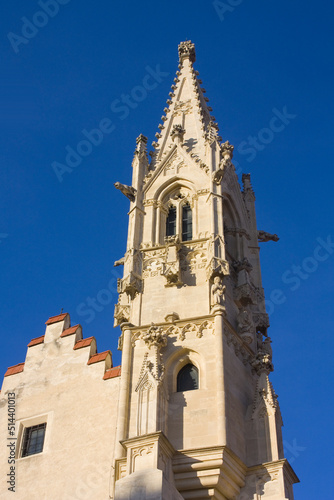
{"x": 187, "y": 51}
{"x": 155, "y": 336}
{"x": 141, "y": 138}
{"x": 227, "y": 150}
{"x": 246, "y": 182}
{"x": 177, "y": 134}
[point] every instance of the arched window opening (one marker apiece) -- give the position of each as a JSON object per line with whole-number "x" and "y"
{"x": 171, "y": 222}
{"x": 187, "y": 223}
{"x": 187, "y": 378}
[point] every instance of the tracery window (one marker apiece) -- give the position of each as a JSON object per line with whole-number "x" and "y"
{"x": 187, "y": 223}
{"x": 171, "y": 222}
{"x": 179, "y": 221}
{"x": 187, "y": 378}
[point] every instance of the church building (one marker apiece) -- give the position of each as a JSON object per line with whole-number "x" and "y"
{"x": 191, "y": 412}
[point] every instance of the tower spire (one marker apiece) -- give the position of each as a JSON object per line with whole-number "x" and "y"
{"x": 186, "y": 108}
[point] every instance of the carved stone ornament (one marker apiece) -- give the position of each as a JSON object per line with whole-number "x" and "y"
{"x": 128, "y": 191}
{"x": 244, "y": 264}
{"x": 151, "y": 366}
{"x": 172, "y": 317}
{"x": 245, "y": 325}
{"x": 224, "y": 165}
{"x": 245, "y": 294}
{"x": 155, "y": 336}
{"x": 263, "y": 237}
{"x": 261, "y": 322}
{"x": 217, "y": 292}
{"x": 131, "y": 285}
{"x": 177, "y": 134}
{"x": 239, "y": 348}
{"x": 227, "y": 150}
{"x": 172, "y": 274}
{"x": 187, "y": 51}
{"x": 121, "y": 314}
{"x": 217, "y": 267}
{"x": 262, "y": 362}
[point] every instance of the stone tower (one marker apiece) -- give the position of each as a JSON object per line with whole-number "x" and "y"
{"x": 197, "y": 415}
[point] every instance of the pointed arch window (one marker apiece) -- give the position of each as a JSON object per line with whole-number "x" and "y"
{"x": 187, "y": 223}
{"x": 171, "y": 222}
{"x": 187, "y": 378}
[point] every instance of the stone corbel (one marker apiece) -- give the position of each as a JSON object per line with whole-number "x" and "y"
{"x": 131, "y": 285}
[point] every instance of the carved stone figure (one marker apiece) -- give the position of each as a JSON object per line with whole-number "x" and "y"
{"x": 119, "y": 262}
{"x": 227, "y": 149}
{"x": 128, "y": 191}
{"x": 263, "y": 236}
{"x": 217, "y": 292}
{"x": 245, "y": 323}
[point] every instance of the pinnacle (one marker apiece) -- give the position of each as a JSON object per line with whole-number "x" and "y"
{"x": 186, "y": 109}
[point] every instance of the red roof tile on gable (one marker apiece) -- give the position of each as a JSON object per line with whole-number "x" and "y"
{"x": 36, "y": 341}
{"x": 83, "y": 343}
{"x": 12, "y": 370}
{"x": 54, "y": 319}
{"x": 69, "y": 331}
{"x": 112, "y": 373}
{"x": 98, "y": 357}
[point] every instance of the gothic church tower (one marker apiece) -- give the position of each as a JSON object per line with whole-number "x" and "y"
{"x": 197, "y": 415}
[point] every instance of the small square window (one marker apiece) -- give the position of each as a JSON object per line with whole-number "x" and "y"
{"x": 33, "y": 440}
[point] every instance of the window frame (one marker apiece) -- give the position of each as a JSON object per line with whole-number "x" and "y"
{"x": 28, "y": 440}
{"x": 178, "y": 206}
{"x": 182, "y": 369}
{"x": 23, "y": 424}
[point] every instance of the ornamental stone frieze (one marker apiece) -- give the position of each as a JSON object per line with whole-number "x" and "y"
{"x": 178, "y": 329}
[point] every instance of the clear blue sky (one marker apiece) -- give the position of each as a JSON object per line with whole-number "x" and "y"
{"x": 58, "y": 240}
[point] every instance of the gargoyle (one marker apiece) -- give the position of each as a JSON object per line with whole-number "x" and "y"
{"x": 119, "y": 262}
{"x": 128, "y": 191}
{"x": 263, "y": 236}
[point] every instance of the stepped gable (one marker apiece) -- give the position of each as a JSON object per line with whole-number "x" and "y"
{"x": 61, "y": 331}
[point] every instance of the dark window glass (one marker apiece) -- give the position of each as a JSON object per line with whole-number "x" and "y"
{"x": 187, "y": 378}
{"x": 187, "y": 223}
{"x": 171, "y": 222}
{"x": 33, "y": 440}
